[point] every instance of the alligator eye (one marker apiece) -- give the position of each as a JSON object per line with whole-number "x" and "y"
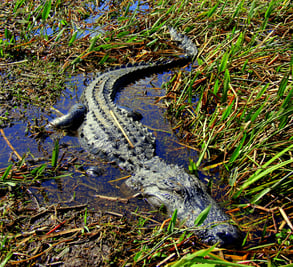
{"x": 179, "y": 190}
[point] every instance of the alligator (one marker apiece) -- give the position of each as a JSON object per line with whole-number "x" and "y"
{"x": 108, "y": 131}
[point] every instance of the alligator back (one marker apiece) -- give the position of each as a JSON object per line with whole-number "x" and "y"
{"x": 107, "y": 129}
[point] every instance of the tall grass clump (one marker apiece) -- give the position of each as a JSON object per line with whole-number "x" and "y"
{"x": 242, "y": 116}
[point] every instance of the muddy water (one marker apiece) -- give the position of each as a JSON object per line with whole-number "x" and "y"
{"x": 77, "y": 187}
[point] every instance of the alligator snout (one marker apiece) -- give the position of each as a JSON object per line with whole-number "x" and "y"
{"x": 231, "y": 239}
{"x": 226, "y": 235}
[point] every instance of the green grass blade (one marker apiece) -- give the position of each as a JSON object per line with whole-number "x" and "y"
{"x": 192, "y": 166}
{"x": 285, "y": 115}
{"x": 216, "y": 87}
{"x": 212, "y": 10}
{"x": 73, "y": 38}
{"x": 251, "y": 12}
{"x": 244, "y": 66}
{"x": 267, "y": 190}
{"x": 283, "y": 85}
{"x": 39, "y": 170}
{"x": 60, "y": 33}
{"x": 262, "y": 91}
{"x": 85, "y": 221}
{"x": 258, "y": 176}
{"x": 172, "y": 223}
{"x": 55, "y": 154}
{"x": 6, "y": 173}
{"x": 226, "y": 86}
{"x": 104, "y": 59}
{"x": 134, "y": 13}
{"x": 288, "y": 100}
{"x": 188, "y": 259}
{"x": 46, "y": 10}
{"x": 213, "y": 263}
{"x": 190, "y": 89}
{"x": 202, "y": 216}
{"x": 237, "y": 150}
{"x": 267, "y": 14}
{"x": 204, "y": 257}
{"x": 152, "y": 42}
{"x": 223, "y": 8}
{"x": 238, "y": 45}
{"x": 7, "y": 35}
{"x": 93, "y": 43}
{"x": 224, "y": 62}
{"x": 239, "y": 7}
{"x": 127, "y": 9}
{"x": 259, "y": 110}
{"x": 227, "y": 112}
{"x": 18, "y": 4}
{"x": 122, "y": 34}
{"x": 6, "y": 259}
{"x": 171, "y": 9}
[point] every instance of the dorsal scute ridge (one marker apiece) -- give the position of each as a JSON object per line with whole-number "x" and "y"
{"x": 124, "y": 66}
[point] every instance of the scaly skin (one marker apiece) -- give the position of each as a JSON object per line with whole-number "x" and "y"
{"x": 107, "y": 131}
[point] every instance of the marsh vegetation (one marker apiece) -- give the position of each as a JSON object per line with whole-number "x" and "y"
{"x": 233, "y": 105}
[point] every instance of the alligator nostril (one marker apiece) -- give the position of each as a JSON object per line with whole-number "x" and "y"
{"x": 230, "y": 239}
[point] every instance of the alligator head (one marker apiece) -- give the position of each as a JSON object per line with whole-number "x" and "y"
{"x": 171, "y": 187}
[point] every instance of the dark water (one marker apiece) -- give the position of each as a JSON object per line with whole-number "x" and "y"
{"x": 76, "y": 187}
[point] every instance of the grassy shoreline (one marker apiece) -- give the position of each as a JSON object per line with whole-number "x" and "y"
{"x": 235, "y": 105}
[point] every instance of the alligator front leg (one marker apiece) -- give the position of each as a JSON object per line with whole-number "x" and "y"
{"x": 72, "y": 120}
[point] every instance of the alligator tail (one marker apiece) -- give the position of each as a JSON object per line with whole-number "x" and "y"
{"x": 184, "y": 42}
